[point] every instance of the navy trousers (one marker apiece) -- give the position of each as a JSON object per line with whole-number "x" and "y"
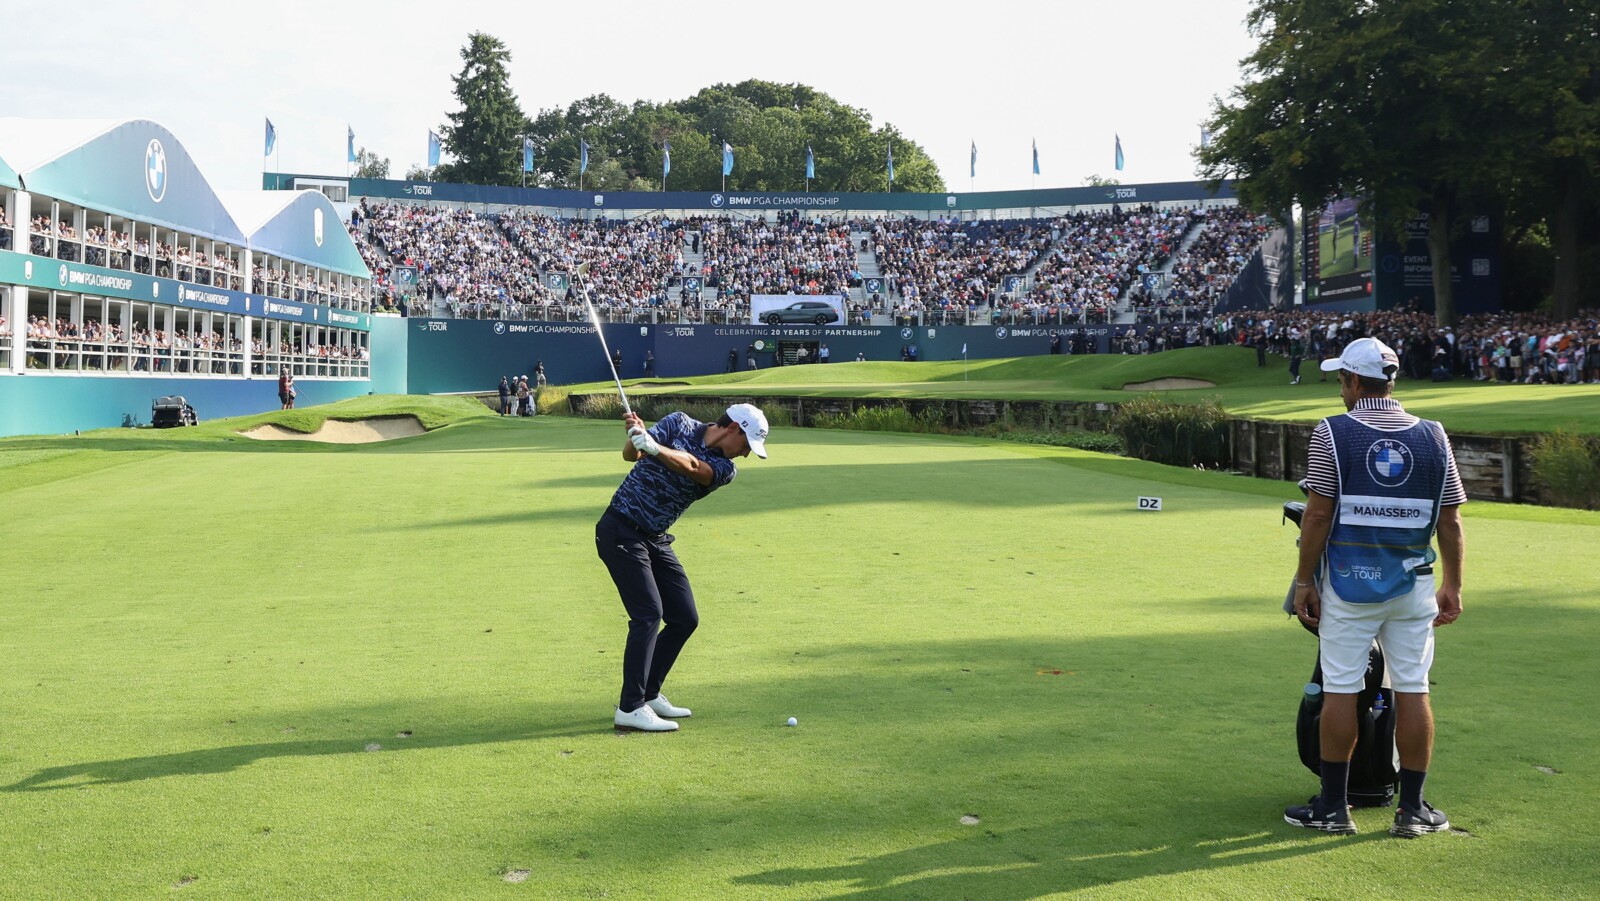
{"x": 654, "y": 590}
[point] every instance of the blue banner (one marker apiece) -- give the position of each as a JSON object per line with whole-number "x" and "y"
{"x": 1161, "y": 192}
{"x": 51, "y": 274}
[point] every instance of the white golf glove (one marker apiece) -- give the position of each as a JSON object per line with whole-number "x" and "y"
{"x": 642, "y": 442}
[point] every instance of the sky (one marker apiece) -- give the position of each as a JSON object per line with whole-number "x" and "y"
{"x": 1070, "y": 75}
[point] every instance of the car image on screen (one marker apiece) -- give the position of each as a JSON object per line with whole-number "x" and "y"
{"x": 804, "y": 311}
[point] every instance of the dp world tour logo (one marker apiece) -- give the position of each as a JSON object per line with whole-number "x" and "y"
{"x": 155, "y": 170}
{"x": 716, "y": 200}
{"x": 1389, "y": 462}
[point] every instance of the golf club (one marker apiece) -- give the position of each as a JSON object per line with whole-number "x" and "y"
{"x": 594, "y": 317}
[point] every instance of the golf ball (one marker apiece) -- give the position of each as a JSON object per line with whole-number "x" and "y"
{"x": 793, "y": 721}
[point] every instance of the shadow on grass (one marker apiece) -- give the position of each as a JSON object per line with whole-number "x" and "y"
{"x": 212, "y": 761}
{"x": 990, "y": 867}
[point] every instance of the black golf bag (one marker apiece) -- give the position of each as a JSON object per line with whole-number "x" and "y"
{"x": 1375, "y": 765}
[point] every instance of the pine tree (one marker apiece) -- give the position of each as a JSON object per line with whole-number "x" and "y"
{"x": 483, "y": 135}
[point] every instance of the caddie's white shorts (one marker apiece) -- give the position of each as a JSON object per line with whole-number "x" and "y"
{"x": 1403, "y": 627}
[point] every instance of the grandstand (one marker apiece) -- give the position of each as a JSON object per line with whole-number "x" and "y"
{"x": 513, "y": 259}
{"x": 118, "y": 260}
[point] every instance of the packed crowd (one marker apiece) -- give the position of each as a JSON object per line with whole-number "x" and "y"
{"x": 631, "y": 262}
{"x": 945, "y": 270}
{"x": 1505, "y": 347}
{"x": 5, "y": 230}
{"x": 461, "y": 258}
{"x": 1202, "y": 274}
{"x": 99, "y": 246}
{"x": 1100, "y": 256}
{"x": 154, "y": 349}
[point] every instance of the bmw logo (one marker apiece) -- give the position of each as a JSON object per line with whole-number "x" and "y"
{"x": 905, "y": 333}
{"x": 499, "y": 328}
{"x": 716, "y": 200}
{"x": 155, "y": 170}
{"x": 1000, "y": 332}
{"x": 1389, "y": 462}
{"x": 62, "y": 275}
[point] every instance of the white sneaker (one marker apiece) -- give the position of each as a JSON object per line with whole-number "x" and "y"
{"x": 664, "y": 707}
{"x": 642, "y": 720}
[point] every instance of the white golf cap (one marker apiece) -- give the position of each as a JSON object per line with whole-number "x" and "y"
{"x": 1366, "y": 357}
{"x": 754, "y": 422}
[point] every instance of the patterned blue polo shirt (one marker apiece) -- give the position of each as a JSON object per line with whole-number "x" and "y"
{"x": 654, "y": 496}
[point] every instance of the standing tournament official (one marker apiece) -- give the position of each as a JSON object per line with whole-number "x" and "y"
{"x": 675, "y": 463}
{"x": 1382, "y": 482}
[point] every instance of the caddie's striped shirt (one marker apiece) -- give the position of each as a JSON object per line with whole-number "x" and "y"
{"x": 1386, "y": 415}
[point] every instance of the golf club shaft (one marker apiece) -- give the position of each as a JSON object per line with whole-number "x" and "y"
{"x": 594, "y": 317}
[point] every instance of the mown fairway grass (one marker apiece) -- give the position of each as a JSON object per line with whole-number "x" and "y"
{"x": 199, "y": 639}
{"x": 1242, "y": 387}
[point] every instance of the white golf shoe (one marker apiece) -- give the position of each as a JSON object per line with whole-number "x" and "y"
{"x": 642, "y": 720}
{"x": 664, "y": 707}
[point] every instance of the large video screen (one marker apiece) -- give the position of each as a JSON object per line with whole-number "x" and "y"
{"x": 1338, "y": 254}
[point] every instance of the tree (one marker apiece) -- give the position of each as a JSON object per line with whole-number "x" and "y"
{"x": 369, "y": 166}
{"x": 1099, "y": 181}
{"x": 1386, "y": 102}
{"x": 484, "y": 136}
{"x": 1556, "y": 79}
{"x": 768, "y": 125}
{"x": 419, "y": 173}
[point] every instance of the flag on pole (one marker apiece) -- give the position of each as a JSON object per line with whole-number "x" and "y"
{"x": 433, "y": 149}
{"x": 974, "y": 173}
{"x": 811, "y": 163}
{"x": 963, "y": 348}
{"x": 583, "y": 156}
{"x": 1119, "y": 153}
{"x": 1035, "y": 156}
{"x": 891, "y": 164}
{"x": 527, "y": 154}
{"x": 1205, "y": 136}
{"x": 350, "y": 136}
{"x": 272, "y": 138}
{"x": 666, "y": 158}
{"x": 727, "y": 159}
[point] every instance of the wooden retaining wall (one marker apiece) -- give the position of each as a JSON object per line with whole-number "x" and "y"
{"x": 1492, "y": 467}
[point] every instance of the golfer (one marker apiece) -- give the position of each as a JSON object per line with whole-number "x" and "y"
{"x": 1381, "y": 483}
{"x": 676, "y": 463}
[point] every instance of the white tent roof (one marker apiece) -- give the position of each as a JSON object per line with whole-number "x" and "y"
{"x": 27, "y": 144}
{"x": 252, "y": 209}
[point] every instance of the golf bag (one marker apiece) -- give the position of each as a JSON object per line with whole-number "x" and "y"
{"x": 1375, "y": 764}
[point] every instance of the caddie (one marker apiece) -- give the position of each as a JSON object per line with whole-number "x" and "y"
{"x": 1382, "y": 483}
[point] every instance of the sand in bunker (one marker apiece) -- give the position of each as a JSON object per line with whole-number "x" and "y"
{"x": 1168, "y": 385}
{"x": 334, "y": 431}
